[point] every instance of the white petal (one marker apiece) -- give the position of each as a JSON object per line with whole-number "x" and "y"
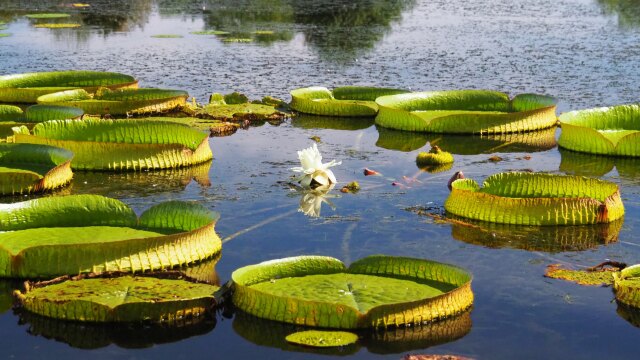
{"x": 306, "y": 181}
{"x": 321, "y": 178}
{"x": 297, "y": 169}
{"x": 332, "y": 178}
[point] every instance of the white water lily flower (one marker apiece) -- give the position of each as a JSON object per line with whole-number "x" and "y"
{"x": 314, "y": 172}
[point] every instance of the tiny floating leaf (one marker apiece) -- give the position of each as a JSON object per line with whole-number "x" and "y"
{"x": 47, "y": 16}
{"x": 58, "y": 25}
{"x": 435, "y": 156}
{"x": 316, "y": 338}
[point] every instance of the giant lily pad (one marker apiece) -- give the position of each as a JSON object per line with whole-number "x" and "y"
{"x": 92, "y": 234}
{"x": 121, "y": 299}
{"x": 122, "y": 144}
{"x": 236, "y": 106}
{"x": 377, "y": 291}
{"x": 611, "y": 130}
{"x": 118, "y": 102}
{"x": 343, "y": 101}
{"x": 626, "y": 285}
{"x": 30, "y": 168}
{"x": 393, "y": 340}
{"x": 10, "y": 113}
{"x": 40, "y": 113}
{"x": 26, "y": 88}
{"x": 466, "y": 112}
{"x": 536, "y": 199}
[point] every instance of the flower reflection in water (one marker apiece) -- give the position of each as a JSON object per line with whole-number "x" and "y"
{"x": 312, "y": 199}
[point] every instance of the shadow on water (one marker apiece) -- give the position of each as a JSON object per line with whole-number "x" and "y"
{"x": 306, "y": 121}
{"x": 576, "y": 163}
{"x": 390, "y": 341}
{"x": 534, "y": 141}
{"x": 536, "y": 238}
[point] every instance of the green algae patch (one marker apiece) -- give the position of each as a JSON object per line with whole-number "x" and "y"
{"x": 122, "y": 299}
{"x": 582, "y": 277}
{"x": 374, "y": 292}
{"x": 315, "y": 338}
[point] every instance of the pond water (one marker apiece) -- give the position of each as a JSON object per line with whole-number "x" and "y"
{"x": 584, "y": 52}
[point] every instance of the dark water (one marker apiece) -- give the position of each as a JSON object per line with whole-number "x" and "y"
{"x": 585, "y": 52}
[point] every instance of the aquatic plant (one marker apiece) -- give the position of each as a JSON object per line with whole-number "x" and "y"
{"x": 611, "y": 130}
{"x": 121, "y": 299}
{"x": 10, "y": 113}
{"x": 376, "y": 291}
{"x": 77, "y": 234}
{"x": 236, "y": 106}
{"x": 29, "y": 168}
{"x": 26, "y": 88}
{"x": 48, "y": 16}
{"x": 317, "y": 338}
{"x": 58, "y": 25}
{"x": 342, "y": 101}
{"x": 314, "y": 172}
{"x": 536, "y": 199}
{"x": 466, "y": 112}
{"x": 626, "y": 285}
{"x": 122, "y": 144}
{"x": 435, "y": 156}
{"x": 41, "y": 113}
{"x": 118, "y": 102}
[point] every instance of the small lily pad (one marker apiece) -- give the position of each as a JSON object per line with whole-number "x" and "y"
{"x": 239, "y": 112}
{"x": 435, "y": 156}
{"x": 581, "y": 277}
{"x": 262, "y": 32}
{"x": 317, "y": 338}
{"x": 167, "y": 36}
{"x": 237, "y": 40}
{"x": 58, "y": 25}
{"x": 123, "y": 299}
{"x": 210, "y": 32}
{"x": 47, "y": 16}
{"x": 5, "y": 35}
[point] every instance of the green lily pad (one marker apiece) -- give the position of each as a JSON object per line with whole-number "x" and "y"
{"x": 122, "y": 299}
{"x": 237, "y": 40}
{"x": 58, "y": 26}
{"x": 29, "y": 168}
{"x": 48, "y": 16}
{"x": 118, "y": 102}
{"x": 210, "y": 32}
{"x": 10, "y": 113}
{"x": 235, "y": 98}
{"x": 626, "y": 286}
{"x": 581, "y": 277}
{"x": 40, "y": 113}
{"x": 2, "y": 35}
{"x": 536, "y": 199}
{"x": 346, "y": 101}
{"x": 466, "y": 112}
{"x": 316, "y": 338}
{"x": 26, "y": 88}
{"x": 92, "y": 234}
{"x": 377, "y": 291}
{"x": 607, "y": 130}
{"x": 240, "y": 112}
{"x": 110, "y": 145}
{"x": 167, "y": 36}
